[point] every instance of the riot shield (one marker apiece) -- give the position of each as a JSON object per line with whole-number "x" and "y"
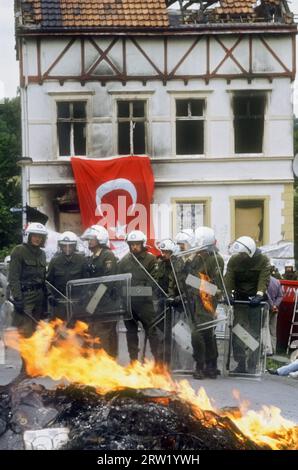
{"x": 102, "y": 299}
{"x": 247, "y": 332}
{"x": 199, "y": 279}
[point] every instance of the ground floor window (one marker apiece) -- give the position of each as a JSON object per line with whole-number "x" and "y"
{"x": 189, "y": 213}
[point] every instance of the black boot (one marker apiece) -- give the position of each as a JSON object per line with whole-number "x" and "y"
{"x": 211, "y": 369}
{"x": 198, "y": 373}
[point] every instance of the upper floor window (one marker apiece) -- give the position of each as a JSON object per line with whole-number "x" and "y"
{"x": 190, "y": 126}
{"x": 132, "y": 132}
{"x": 71, "y": 127}
{"x": 249, "y": 110}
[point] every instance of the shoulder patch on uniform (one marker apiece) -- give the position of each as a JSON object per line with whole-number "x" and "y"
{"x": 109, "y": 263}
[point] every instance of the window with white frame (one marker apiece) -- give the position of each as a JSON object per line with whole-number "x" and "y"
{"x": 132, "y": 127}
{"x": 190, "y": 117}
{"x": 189, "y": 214}
{"x": 71, "y": 127}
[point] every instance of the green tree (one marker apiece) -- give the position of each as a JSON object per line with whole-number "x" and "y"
{"x": 10, "y": 184}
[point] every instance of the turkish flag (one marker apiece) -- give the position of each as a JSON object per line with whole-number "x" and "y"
{"x": 116, "y": 193}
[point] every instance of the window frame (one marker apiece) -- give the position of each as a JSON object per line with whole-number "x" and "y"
{"x": 190, "y": 200}
{"x": 136, "y": 95}
{"x": 70, "y": 97}
{"x": 189, "y": 95}
{"x": 131, "y": 119}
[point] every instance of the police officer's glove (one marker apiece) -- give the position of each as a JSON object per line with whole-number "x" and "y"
{"x": 53, "y": 302}
{"x": 18, "y": 306}
{"x": 257, "y": 299}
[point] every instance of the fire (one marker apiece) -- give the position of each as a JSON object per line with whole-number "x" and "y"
{"x": 206, "y": 298}
{"x": 65, "y": 353}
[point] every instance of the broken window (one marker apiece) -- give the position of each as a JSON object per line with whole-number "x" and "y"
{"x": 190, "y": 214}
{"x": 131, "y": 117}
{"x": 249, "y": 112}
{"x": 190, "y": 126}
{"x": 249, "y": 219}
{"x": 71, "y": 127}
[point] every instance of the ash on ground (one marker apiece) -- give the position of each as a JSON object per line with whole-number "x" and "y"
{"x": 123, "y": 420}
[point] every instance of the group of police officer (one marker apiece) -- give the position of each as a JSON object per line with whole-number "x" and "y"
{"x": 33, "y": 286}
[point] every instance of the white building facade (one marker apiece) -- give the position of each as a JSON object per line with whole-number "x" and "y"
{"x": 211, "y": 104}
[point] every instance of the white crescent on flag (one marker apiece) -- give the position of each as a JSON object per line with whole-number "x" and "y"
{"x": 113, "y": 185}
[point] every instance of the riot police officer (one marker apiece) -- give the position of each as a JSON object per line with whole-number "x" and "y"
{"x": 141, "y": 301}
{"x": 27, "y": 274}
{"x": 102, "y": 262}
{"x": 164, "y": 275}
{"x": 67, "y": 265}
{"x": 208, "y": 265}
{"x": 247, "y": 278}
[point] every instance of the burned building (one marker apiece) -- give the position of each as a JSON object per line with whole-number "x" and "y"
{"x": 202, "y": 87}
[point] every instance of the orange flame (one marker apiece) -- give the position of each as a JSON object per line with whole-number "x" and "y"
{"x": 65, "y": 353}
{"x": 206, "y": 298}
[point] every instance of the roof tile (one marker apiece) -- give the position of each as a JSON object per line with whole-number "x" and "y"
{"x": 94, "y": 13}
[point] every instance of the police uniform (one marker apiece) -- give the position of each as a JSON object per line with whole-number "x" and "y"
{"x": 63, "y": 268}
{"x": 27, "y": 272}
{"x": 104, "y": 263}
{"x": 141, "y": 302}
{"x": 247, "y": 276}
{"x": 165, "y": 277}
{"x": 204, "y": 345}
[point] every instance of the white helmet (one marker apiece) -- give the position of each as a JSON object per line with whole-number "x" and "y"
{"x": 167, "y": 245}
{"x": 185, "y": 236}
{"x": 68, "y": 238}
{"x": 35, "y": 228}
{"x": 204, "y": 237}
{"x": 96, "y": 232}
{"x": 244, "y": 245}
{"x": 136, "y": 236}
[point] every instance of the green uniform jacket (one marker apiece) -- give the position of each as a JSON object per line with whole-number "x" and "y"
{"x": 246, "y": 276}
{"x": 64, "y": 268}
{"x": 27, "y": 268}
{"x": 205, "y": 263}
{"x": 139, "y": 278}
{"x": 165, "y": 277}
{"x": 104, "y": 264}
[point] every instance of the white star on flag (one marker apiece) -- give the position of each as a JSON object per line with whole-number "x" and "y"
{"x": 119, "y": 230}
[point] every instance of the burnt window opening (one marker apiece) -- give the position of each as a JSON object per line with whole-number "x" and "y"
{"x": 71, "y": 127}
{"x": 249, "y": 111}
{"x": 190, "y": 126}
{"x": 190, "y": 214}
{"x": 132, "y": 121}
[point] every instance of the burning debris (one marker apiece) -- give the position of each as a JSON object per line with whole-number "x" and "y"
{"x": 128, "y": 419}
{"x": 107, "y": 406}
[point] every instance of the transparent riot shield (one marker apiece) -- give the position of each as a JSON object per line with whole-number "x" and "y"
{"x": 199, "y": 279}
{"x": 247, "y": 332}
{"x": 145, "y": 332}
{"x": 102, "y": 299}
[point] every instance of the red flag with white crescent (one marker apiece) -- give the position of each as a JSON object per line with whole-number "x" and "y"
{"x": 116, "y": 193}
